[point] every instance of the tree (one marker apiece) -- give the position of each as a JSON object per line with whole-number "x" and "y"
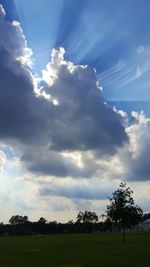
{"x": 42, "y": 220}
{"x": 86, "y": 221}
{"x": 87, "y": 217}
{"x": 122, "y": 209}
{"x": 17, "y": 219}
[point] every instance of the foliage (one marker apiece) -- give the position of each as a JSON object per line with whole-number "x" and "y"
{"x": 122, "y": 209}
{"x": 87, "y": 217}
{"x": 42, "y": 220}
{"x": 86, "y": 222}
{"x": 17, "y": 219}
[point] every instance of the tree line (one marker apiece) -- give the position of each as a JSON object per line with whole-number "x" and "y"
{"x": 120, "y": 214}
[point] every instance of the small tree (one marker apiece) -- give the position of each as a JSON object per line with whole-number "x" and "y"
{"x": 122, "y": 209}
{"x": 86, "y": 221}
{"x": 87, "y": 217}
{"x": 42, "y": 220}
{"x": 17, "y": 219}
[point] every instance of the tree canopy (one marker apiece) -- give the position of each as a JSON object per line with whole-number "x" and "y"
{"x": 87, "y": 217}
{"x": 17, "y": 219}
{"x": 122, "y": 209}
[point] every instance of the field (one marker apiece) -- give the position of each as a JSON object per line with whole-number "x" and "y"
{"x": 76, "y": 250}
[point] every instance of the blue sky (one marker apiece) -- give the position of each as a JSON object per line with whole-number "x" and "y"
{"x": 62, "y": 148}
{"x": 104, "y": 34}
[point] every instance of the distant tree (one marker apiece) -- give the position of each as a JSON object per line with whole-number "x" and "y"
{"x": 87, "y": 217}
{"x": 70, "y": 222}
{"x": 122, "y": 209}
{"x": 53, "y": 222}
{"x": 17, "y": 219}
{"x": 42, "y": 220}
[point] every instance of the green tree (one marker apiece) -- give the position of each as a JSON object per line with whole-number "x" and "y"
{"x": 87, "y": 217}
{"x": 17, "y": 219}
{"x": 42, "y": 220}
{"x": 122, "y": 209}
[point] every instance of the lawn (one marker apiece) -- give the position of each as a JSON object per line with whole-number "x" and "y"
{"x": 76, "y": 250}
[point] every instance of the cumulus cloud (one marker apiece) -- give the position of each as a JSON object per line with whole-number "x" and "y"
{"x": 82, "y": 120}
{"x": 62, "y": 111}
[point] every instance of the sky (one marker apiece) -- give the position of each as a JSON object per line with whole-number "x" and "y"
{"x": 74, "y": 105}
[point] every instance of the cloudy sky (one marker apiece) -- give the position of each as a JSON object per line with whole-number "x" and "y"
{"x": 74, "y": 105}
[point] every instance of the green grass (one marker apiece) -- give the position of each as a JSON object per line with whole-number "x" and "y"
{"x": 76, "y": 250}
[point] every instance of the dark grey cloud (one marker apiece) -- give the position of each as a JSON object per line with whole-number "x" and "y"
{"x": 81, "y": 193}
{"x": 22, "y": 114}
{"x": 43, "y": 162}
{"x": 47, "y": 163}
{"x": 80, "y": 190}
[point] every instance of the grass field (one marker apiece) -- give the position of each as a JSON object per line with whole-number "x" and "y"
{"x": 76, "y": 250}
